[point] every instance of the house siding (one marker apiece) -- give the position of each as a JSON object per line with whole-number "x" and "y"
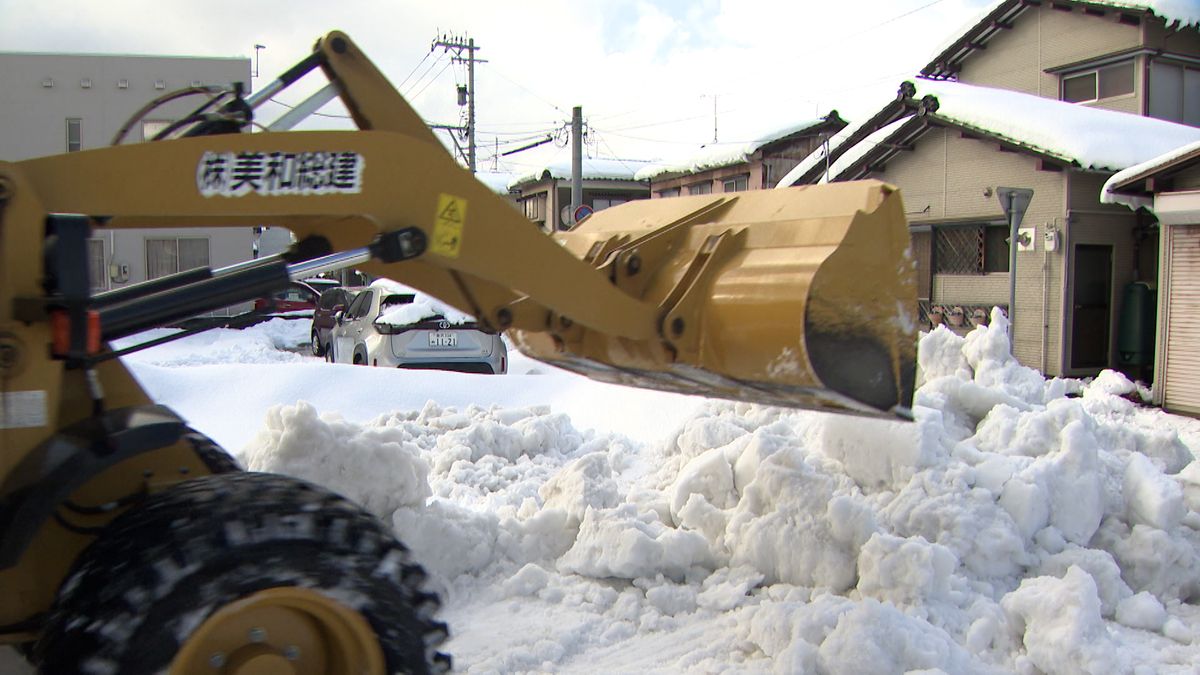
{"x": 1044, "y": 38}
{"x": 948, "y": 178}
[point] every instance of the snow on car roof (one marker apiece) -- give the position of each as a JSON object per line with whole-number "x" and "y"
{"x": 421, "y": 308}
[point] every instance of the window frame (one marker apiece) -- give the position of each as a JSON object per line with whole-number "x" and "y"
{"x": 1098, "y": 82}
{"x": 74, "y": 124}
{"x": 178, "y": 254}
{"x": 990, "y": 258}
{"x": 743, "y": 179}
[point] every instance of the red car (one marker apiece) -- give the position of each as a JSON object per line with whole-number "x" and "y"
{"x": 299, "y": 297}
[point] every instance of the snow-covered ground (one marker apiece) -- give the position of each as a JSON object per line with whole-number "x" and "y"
{"x": 1019, "y": 525}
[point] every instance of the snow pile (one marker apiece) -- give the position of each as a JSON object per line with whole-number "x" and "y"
{"x": 273, "y": 341}
{"x": 1018, "y": 525}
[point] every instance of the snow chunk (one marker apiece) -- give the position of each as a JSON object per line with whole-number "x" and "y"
{"x": 874, "y": 637}
{"x": 798, "y": 525}
{"x": 1152, "y": 498}
{"x": 376, "y": 467}
{"x": 447, "y": 539}
{"x": 905, "y": 571}
{"x": 622, "y": 543}
{"x": 1060, "y": 624}
{"x": 585, "y": 483}
{"x": 1142, "y": 611}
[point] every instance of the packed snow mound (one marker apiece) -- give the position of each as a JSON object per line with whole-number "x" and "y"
{"x": 1019, "y": 524}
{"x": 276, "y": 340}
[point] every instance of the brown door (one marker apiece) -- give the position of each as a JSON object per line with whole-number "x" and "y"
{"x": 1092, "y": 283}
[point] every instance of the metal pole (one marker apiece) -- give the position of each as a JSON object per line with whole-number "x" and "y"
{"x": 576, "y": 158}
{"x": 1012, "y": 265}
{"x": 471, "y": 104}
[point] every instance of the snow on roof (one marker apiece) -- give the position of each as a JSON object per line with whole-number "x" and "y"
{"x": 496, "y": 182}
{"x": 866, "y": 145}
{"x": 1091, "y": 138}
{"x": 1110, "y": 195}
{"x": 1177, "y": 14}
{"x": 593, "y": 169}
{"x": 818, "y": 155}
{"x": 717, "y": 155}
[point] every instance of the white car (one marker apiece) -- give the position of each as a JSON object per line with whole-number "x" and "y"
{"x": 396, "y": 327}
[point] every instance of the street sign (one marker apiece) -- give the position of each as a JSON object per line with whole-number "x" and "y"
{"x": 582, "y": 211}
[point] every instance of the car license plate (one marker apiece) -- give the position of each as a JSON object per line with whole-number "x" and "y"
{"x": 443, "y": 339}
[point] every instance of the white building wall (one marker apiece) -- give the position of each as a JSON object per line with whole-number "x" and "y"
{"x": 40, "y": 92}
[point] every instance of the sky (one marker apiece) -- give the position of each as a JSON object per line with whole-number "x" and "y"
{"x": 1018, "y": 525}
{"x": 654, "y": 77}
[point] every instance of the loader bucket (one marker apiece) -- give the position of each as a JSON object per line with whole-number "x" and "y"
{"x": 801, "y": 297}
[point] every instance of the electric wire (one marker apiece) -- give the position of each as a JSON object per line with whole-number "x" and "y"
{"x": 410, "y": 73}
{"x": 413, "y": 96}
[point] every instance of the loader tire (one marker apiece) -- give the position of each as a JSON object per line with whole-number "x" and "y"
{"x": 244, "y": 573}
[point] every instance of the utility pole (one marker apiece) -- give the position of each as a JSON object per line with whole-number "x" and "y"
{"x": 448, "y": 43}
{"x": 576, "y": 158}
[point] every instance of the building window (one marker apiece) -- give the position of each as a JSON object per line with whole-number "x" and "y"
{"x": 601, "y": 203}
{"x": 736, "y": 184}
{"x": 176, "y": 254}
{"x": 97, "y": 270}
{"x": 1175, "y": 93}
{"x": 1098, "y": 84}
{"x": 978, "y": 249}
{"x": 700, "y": 188}
{"x": 535, "y": 207}
{"x": 74, "y": 134}
{"x": 669, "y": 192}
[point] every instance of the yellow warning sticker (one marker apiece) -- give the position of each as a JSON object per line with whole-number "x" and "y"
{"x": 448, "y": 225}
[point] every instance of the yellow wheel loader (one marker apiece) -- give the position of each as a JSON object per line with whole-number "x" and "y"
{"x": 132, "y": 544}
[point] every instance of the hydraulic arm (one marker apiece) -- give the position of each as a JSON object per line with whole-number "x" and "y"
{"x": 799, "y": 297}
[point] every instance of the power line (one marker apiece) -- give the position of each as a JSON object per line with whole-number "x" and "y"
{"x": 410, "y": 73}
{"x": 528, "y": 91}
{"x": 432, "y": 64}
{"x": 413, "y": 97}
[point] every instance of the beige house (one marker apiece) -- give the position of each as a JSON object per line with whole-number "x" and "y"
{"x": 1169, "y": 187}
{"x": 1021, "y": 115}
{"x": 544, "y": 195}
{"x": 734, "y": 167}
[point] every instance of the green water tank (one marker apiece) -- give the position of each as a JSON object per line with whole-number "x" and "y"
{"x": 1135, "y": 331}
